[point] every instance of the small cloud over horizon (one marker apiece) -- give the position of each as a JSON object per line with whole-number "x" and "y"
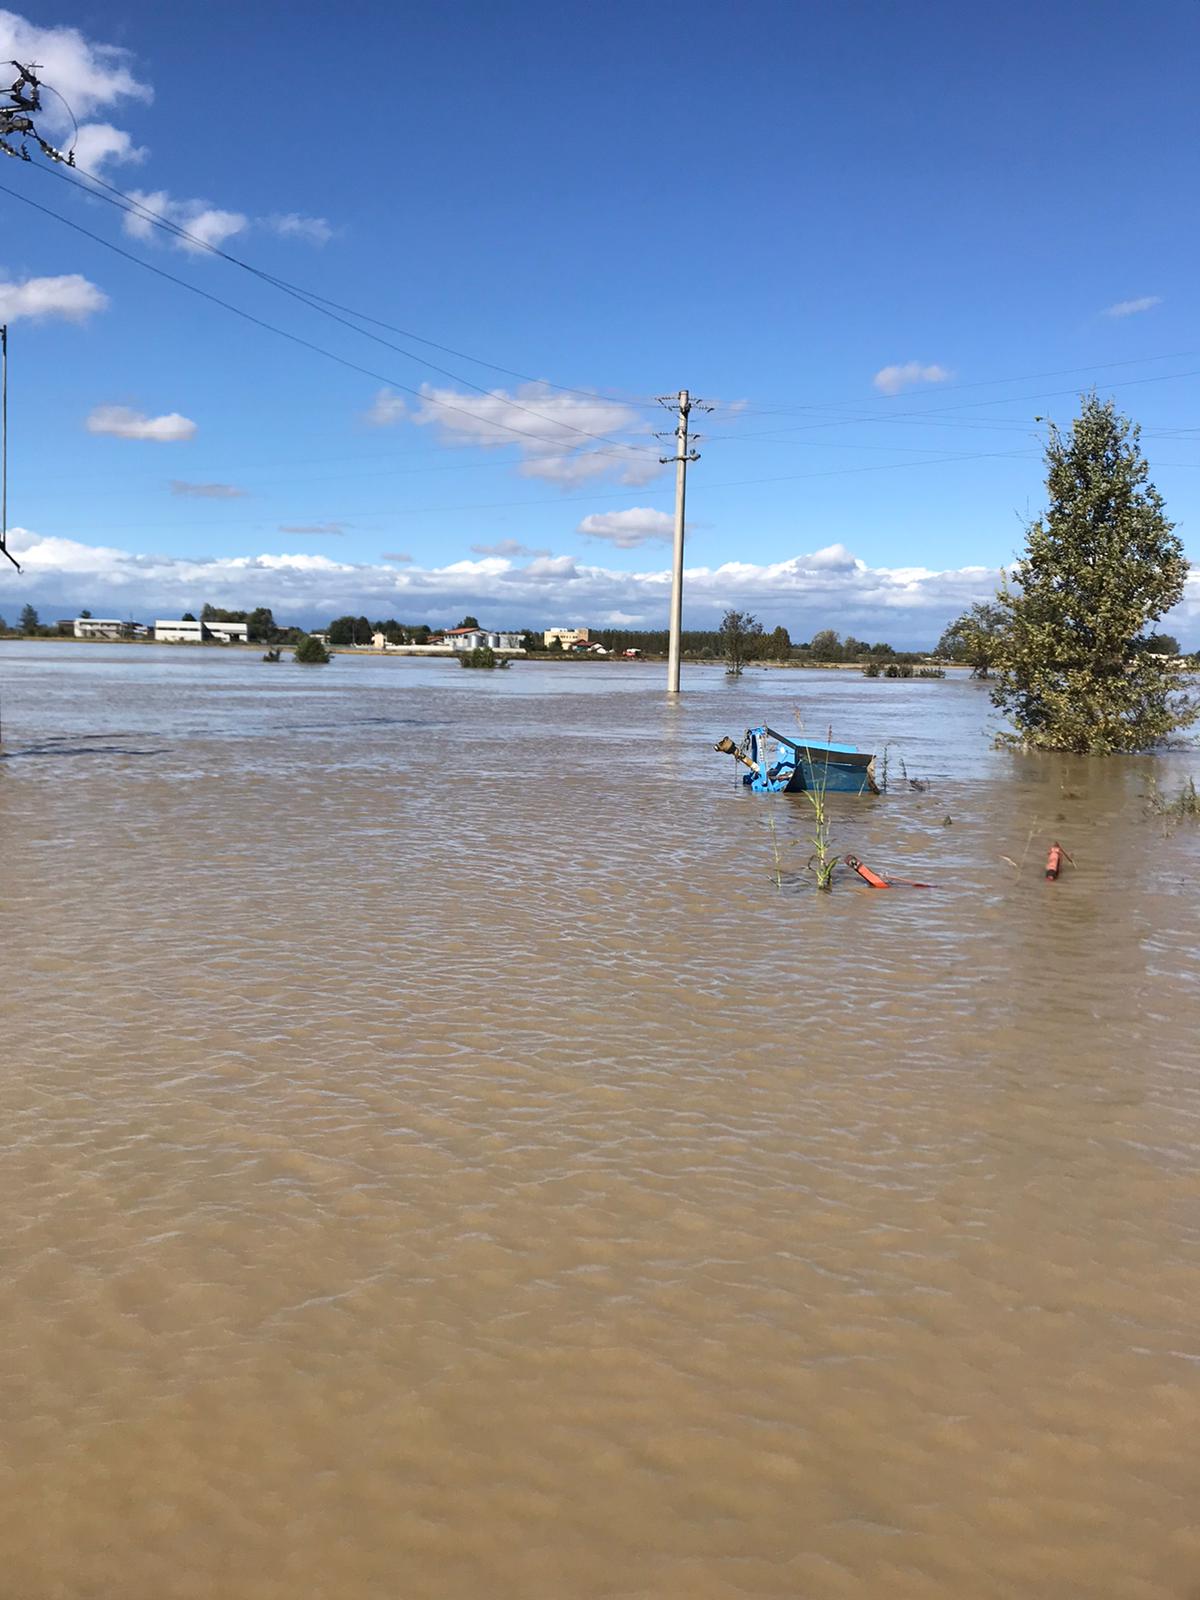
{"x": 207, "y": 491}
{"x": 560, "y": 438}
{"x": 70, "y": 296}
{"x": 506, "y": 547}
{"x": 891, "y": 380}
{"x": 291, "y": 225}
{"x": 122, "y": 422}
{"x": 628, "y": 529}
{"x": 1130, "y": 308}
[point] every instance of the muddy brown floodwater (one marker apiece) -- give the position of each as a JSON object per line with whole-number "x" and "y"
{"x": 438, "y": 1163}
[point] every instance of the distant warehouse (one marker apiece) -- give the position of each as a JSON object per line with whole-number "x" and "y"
{"x": 107, "y": 628}
{"x": 188, "y": 631}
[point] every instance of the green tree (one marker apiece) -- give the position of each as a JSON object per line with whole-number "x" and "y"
{"x": 1100, "y": 566}
{"x": 469, "y": 622}
{"x": 187, "y": 617}
{"x": 826, "y": 645}
{"x": 350, "y": 630}
{"x": 779, "y": 646}
{"x": 29, "y": 619}
{"x": 853, "y": 648}
{"x": 85, "y": 613}
{"x": 973, "y": 639}
{"x": 1160, "y": 644}
{"x": 740, "y": 634}
{"x": 261, "y": 625}
{"x": 310, "y": 652}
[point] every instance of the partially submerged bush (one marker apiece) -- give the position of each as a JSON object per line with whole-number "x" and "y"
{"x": 482, "y": 656}
{"x": 310, "y": 652}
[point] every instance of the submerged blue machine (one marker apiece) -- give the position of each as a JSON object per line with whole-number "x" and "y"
{"x": 779, "y": 764}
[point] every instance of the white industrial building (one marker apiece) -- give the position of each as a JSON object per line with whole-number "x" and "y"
{"x": 183, "y": 631}
{"x": 565, "y": 636}
{"x": 180, "y": 632}
{"x": 106, "y": 628}
{"x": 476, "y": 638}
{"x": 456, "y": 639}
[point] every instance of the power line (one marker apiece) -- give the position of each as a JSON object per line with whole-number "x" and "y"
{"x": 936, "y": 411}
{"x": 128, "y": 205}
{"x": 295, "y": 338}
{"x": 331, "y": 308}
{"x": 654, "y": 494}
{"x": 979, "y": 383}
{"x": 382, "y": 378}
{"x": 644, "y": 493}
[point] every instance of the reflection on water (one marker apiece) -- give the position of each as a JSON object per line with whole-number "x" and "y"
{"x": 437, "y": 1162}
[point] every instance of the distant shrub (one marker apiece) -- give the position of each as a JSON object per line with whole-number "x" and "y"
{"x": 310, "y": 652}
{"x": 871, "y": 670}
{"x": 482, "y": 656}
{"x": 897, "y": 670}
{"x": 931, "y": 672}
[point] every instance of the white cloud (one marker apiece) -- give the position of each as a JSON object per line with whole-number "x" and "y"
{"x": 890, "y": 380}
{"x": 99, "y": 143}
{"x": 71, "y": 297}
{"x": 207, "y": 491}
{"x": 1130, "y": 308}
{"x": 124, "y": 423}
{"x": 211, "y": 225}
{"x": 562, "y": 438}
{"x": 334, "y": 529}
{"x": 89, "y": 76}
{"x": 207, "y": 223}
{"x": 627, "y": 529}
{"x": 386, "y": 409}
{"x": 291, "y": 225}
{"x": 395, "y": 555}
{"x": 832, "y": 558}
{"x": 829, "y": 587}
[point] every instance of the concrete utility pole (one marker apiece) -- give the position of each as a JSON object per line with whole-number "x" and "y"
{"x": 683, "y": 454}
{"x": 4, "y": 550}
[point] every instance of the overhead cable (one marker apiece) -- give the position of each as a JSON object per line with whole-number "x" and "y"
{"x": 332, "y": 309}
{"x": 296, "y": 338}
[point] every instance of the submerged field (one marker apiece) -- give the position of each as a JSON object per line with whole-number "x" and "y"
{"x": 438, "y": 1161}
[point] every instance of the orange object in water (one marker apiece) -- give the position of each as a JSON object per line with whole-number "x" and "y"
{"x": 866, "y": 874}
{"x": 1054, "y": 860}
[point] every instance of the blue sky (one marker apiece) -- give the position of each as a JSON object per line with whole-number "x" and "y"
{"x": 882, "y": 239}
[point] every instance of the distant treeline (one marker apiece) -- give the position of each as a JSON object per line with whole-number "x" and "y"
{"x": 710, "y": 644}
